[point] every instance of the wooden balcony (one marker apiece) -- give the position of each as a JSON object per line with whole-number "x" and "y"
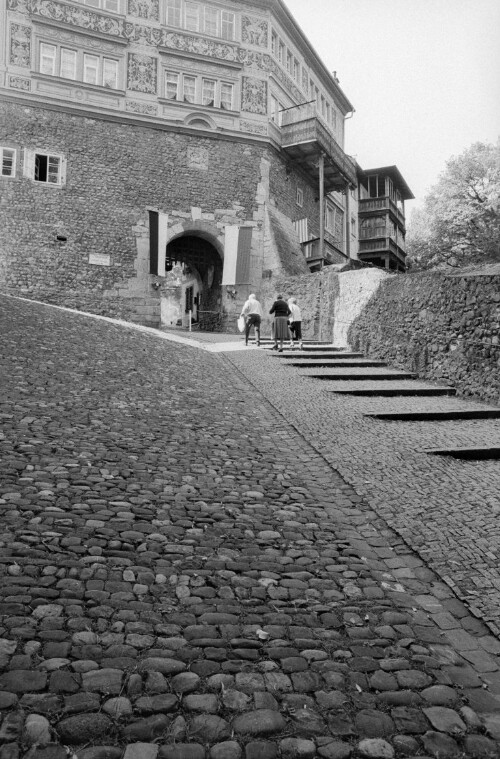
{"x": 305, "y": 136}
{"x": 371, "y": 205}
{"x": 380, "y": 246}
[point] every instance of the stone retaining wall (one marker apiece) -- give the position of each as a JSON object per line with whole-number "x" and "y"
{"x": 331, "y": 300}
{"x": 446, "y": 328}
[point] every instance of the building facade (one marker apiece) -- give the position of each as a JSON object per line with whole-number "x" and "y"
{"x": 160, "y": 159}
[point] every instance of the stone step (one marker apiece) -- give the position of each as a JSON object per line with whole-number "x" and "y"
{"x": 357, "y": 373}
{"x": 389, "y": 389}
{"x": 317, "y": 355}
{"x": 474, "y": 453}
{"x": 437, "y": 416}
{"x": 334, "y": 362}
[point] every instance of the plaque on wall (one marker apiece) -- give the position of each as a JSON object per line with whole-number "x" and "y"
{"x": 100, "y": 259}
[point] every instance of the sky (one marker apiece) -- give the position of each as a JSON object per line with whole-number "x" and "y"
{"x": 422, "y": 75}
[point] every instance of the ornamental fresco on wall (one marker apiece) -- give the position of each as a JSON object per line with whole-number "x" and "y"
{"x": 144, "y": 9}
{"x": 20, "y": 45}
{"x": 133, "y": 106}
{"x": 20, "y": 83}
{"x": 254, "y": 31}
{"x": 72, "y": 15}
{"x": 253, "y": 95}
{"x": 20, "y": 6}
{"x": 77, "y": 38}
{"x": 253, "y": 127}
{"x": 142, "y": 73}
{"x": 199, "y": 45}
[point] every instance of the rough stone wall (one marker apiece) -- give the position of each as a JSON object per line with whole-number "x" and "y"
{"x": 331, "y": 300}
{"x": 446, "y": 328}
{"x": 115, "y": 171}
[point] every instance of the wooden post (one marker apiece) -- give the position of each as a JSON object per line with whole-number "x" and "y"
{"x": 322, "y": 206}
{"x": 347, "y": 222}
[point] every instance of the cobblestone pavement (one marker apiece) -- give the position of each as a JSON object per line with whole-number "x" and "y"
{"x": 183, "y": 576}
{"x": 446, "y": 509}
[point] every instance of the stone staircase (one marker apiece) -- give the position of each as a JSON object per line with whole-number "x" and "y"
{"x": 349, "y": 373}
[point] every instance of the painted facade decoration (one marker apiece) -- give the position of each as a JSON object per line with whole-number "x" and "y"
{"x": 144, "y": 9}
{"x": 141, "y": 73}
{"x": 254, "y": 95}
{"x": 254, "y": 31}
{"x": 20, "y": 45}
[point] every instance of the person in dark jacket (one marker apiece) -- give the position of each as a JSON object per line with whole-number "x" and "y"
{"x": 281, "y": 313}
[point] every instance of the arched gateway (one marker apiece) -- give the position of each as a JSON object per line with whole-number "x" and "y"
{"x": 193, "y": 269}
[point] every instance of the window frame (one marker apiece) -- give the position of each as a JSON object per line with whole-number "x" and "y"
{"x": 337, "y": 215}
{"x": 300, "y": 197}
{"x": 173, "y": 8}
{"x": 193, "y": 5}
{"x": 199, "y": 80}
{"x": 3, "y": 150}
{"x": 63, "y": 50}
{"x": 43, "y": 55}
{"x": 54, "y": 53}
{"x": 103, "y": 5}
{"x": 49, "y": 157}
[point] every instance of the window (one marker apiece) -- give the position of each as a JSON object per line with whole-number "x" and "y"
{"x": 195, "y": 17}
{"x": 274, "y": 43}
{"x": 208, "y": 92}
{"x": 300, "y": 197}
{"x": 192, "y": 89}
{"x": 171, "y": 86}
{"x": 7, "y": 162}
{"x": 107, "y": 5}
{"x": 228, "y": 25}
{"x": 110, "y": 73}
{"x": 67, "y": 67}
{"x": 281, "y": 52}
{"x": 47, "y": 168}
{"x": 372, "y": 227}
{"x": 276, "y": 110}
{"x": 376, "y": 186}
{"x": 90, "y": 68}
{"x": 211, "y": 21}
{"x": 189, "y": 89}
{"x": 192, "y": 17}
{"x": 334, "y": 221}
{"x": 226, "y": 96}
{"x": 79, "y": 66}
{"x": 48, "y": 59}
{"x": 289, "y": 62}
{"x": 174, "y": 9}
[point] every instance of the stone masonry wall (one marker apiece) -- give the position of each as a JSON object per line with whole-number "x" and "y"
{"x": 115, "y": 171}
{"x": 446, "y": 328}
{"x": 331, "y": 300}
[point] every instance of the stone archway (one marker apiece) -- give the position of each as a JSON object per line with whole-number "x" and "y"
{"x": 193, "y": 282}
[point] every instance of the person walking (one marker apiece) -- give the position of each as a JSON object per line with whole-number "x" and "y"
{"x": 281, "y": 313}
{"x": 295, "y": 323}
{"x": 252, "y": 313}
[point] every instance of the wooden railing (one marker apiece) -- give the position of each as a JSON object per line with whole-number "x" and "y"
{"x": 382, "y": 204}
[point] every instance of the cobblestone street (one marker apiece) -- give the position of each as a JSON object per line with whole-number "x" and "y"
{"x": 206, "y": 555}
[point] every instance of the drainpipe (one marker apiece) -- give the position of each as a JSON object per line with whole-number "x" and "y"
{"x": 321, "y": 206}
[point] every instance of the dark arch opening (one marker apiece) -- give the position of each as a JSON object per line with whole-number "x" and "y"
{"x": 197, "y": 254}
